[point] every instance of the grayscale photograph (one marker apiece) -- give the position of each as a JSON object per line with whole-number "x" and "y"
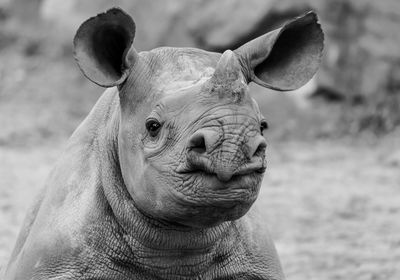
{"x": 200, "y": 139}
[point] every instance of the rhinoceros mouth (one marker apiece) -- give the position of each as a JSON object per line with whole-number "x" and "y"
{"x": 225, "y": 171}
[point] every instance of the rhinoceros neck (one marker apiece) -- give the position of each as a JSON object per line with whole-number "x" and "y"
{"x": 171, "y": 250}
{"x": 161, "y": 247}
{"x": 146, "y": 232}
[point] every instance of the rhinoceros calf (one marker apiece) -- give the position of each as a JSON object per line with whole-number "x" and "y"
{"x": 157, "y": 180}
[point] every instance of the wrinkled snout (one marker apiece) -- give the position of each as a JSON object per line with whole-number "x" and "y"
{"x": 226, "y": 154}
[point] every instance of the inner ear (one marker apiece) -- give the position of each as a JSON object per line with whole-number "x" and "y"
{"x": 102, "y": 45}
{"x": 109, "y": 45}
{"x": 294, "y": 57}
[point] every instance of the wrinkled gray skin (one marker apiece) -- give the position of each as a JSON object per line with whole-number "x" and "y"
{"x": 156, "y": 182}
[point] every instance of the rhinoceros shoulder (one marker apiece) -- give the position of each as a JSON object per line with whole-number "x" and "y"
{"x": 56, "y": 226}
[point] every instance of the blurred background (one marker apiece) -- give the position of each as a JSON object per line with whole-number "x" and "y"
{"x": 331, "y": 195}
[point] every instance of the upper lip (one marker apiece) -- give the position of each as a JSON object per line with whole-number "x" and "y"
{"x": 206, "y": 164}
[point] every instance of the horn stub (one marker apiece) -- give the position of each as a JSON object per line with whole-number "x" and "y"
{"x": 228, "y": 68}
{"x": 227, "y": 78}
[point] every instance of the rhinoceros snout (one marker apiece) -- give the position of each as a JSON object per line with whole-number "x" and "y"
{"x": 210, "y": 152}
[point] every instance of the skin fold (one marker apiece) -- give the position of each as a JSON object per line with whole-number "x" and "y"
{"x": 159, "y": 179}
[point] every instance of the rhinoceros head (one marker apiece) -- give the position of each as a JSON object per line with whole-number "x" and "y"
{"x": 190, "y": 144}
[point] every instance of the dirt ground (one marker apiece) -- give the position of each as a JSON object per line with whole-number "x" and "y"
{"x": 333, "y": 208}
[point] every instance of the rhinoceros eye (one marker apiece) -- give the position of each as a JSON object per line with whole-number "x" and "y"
{"x": 153, "y": 127}
{"x": 263, "y": 126}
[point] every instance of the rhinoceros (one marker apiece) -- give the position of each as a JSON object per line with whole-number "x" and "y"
{"x": 158, "y": 180}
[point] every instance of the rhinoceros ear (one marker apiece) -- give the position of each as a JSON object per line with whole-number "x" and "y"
{"x": 103, "y": 47}
{"x": 286, "y": 58}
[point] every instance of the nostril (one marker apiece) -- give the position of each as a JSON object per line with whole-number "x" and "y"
{"x": 261, "y": 145}
{"x": 197, "y": 143}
